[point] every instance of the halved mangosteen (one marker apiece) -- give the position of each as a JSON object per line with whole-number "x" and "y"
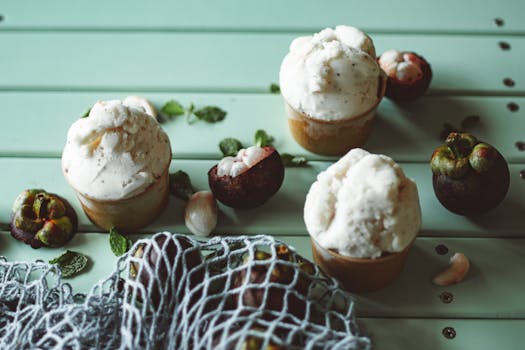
{"x": 409, "y": 74}
{"x": 249, "y": 179}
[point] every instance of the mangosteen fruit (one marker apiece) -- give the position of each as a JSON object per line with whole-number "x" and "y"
{"x": 286, "y": 273}
{"x": 42, "y": 219}
{"x": 249, "y": 179}
{"x": 408, "y": 75}
{"x": 469, "y": 177}
{"x": 163, "y": 266}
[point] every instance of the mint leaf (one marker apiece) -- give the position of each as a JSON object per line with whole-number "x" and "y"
{"x": 262, "y": 139}
{"x": 86, "y": 113}
{"x": 180, "y": 185}
{"x": 230, "y": 146}
{"x": 293, "y": 161}
{"x": 119, "y": 244}
{"x": 189, "y": 113}
{"x": 274, "y": 88}
{"x": 70, "y": 263}
{"x": 210, "y": 114}
{"x": 173, "y": 109}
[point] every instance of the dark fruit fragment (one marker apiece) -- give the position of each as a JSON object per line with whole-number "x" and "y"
{"x": 469, "y": 177}
{"x": 162, "y": 266}
{"x": 42, "y": 219}
{"x": 405, "y": 87}
{"x": 251, "y": 188}
{"x": 287, "y": 273}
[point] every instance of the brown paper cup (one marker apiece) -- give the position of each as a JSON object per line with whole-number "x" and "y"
{"x": 128, "y": 214}
{"x": 333, "y": 137}
{"x": 358, "y": 274}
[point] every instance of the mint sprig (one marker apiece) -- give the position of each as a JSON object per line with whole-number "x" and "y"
{"x": 293, "y": 161}
{"x": 173, "y": 109}
{"x": 180, "y": 185}
{"x": 86, "y": 113}
{"x": 70, "y": 263}
{"x": 119, "y": 244}
{"x": 230, "y": 146}
{"x": 262, "y": 138}
{"x": 208, "y": 114}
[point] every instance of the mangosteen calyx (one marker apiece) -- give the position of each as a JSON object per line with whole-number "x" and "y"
{"x": 42, "y": 219}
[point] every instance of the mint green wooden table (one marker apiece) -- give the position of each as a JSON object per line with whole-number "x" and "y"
{"x": 59, "y": 57}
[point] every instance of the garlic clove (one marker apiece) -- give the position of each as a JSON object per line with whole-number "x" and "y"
{"x": 201, "y": 213}
{"x": 139, "y": 101}
{"x": 456, "y": 271}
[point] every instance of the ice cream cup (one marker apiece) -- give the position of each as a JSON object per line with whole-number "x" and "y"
{"x": 333, "y": 137}
{"x": 360, "y": 274}
{"x": 128, "y": 214}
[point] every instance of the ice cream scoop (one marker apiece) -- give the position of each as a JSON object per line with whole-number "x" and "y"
{"x": 360, "y": 213}
{"x": 332, "y": 74}
{"x": 331, "y": 84}
{"x": 117, "y": 161}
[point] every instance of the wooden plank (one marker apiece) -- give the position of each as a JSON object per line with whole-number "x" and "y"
{"x": 282, "y": 214}
{"x": 36, "y": 124}
{"x": 400, "y": 334}
{"x": 412, "y": 295}
{"x": 413, "y": 15}
{"x": 228, "y": 61}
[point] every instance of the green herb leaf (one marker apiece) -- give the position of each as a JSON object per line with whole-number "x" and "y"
{"x": 274, "y": 88}
{"x": 70, "y": 263}
{"x": 210, "y": 114}
{"x": 189, "y": 113}
{"x": 173, "y": 109}
{"x": 119, "y": 244}
{"x": 230, "y": 146}
{"x": 262, "y": 139}
{"x": 180, "y": 185}
{"x": 293, "y": 161}
{"x": 86, "y": 113}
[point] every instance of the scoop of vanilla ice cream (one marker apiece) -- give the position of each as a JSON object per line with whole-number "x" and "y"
{"x": 332, "y": 74}
{"x": 116, "y": 152}
{"x": 363, "y": 205}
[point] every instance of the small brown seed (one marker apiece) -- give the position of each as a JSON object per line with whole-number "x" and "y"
{"x": 449, "y": 332}
{"x": 513, "y": 107}
{"x": 441, "y": 249}
{"x": 446, "y": 297}
{"x": 509, "y": 82}
{"x": 499, "y": 22}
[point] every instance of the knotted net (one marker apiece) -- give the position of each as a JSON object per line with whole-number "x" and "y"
{"x": 172, "y": 292}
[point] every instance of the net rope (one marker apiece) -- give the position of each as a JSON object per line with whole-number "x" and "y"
{"x": 173, "y": 292}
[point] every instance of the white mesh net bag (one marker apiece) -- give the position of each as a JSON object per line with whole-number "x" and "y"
{"x": 172, "y": 292}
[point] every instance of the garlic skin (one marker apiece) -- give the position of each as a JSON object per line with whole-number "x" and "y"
{"x": 201, "y": 213}
{"x": 455, "y": 273}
